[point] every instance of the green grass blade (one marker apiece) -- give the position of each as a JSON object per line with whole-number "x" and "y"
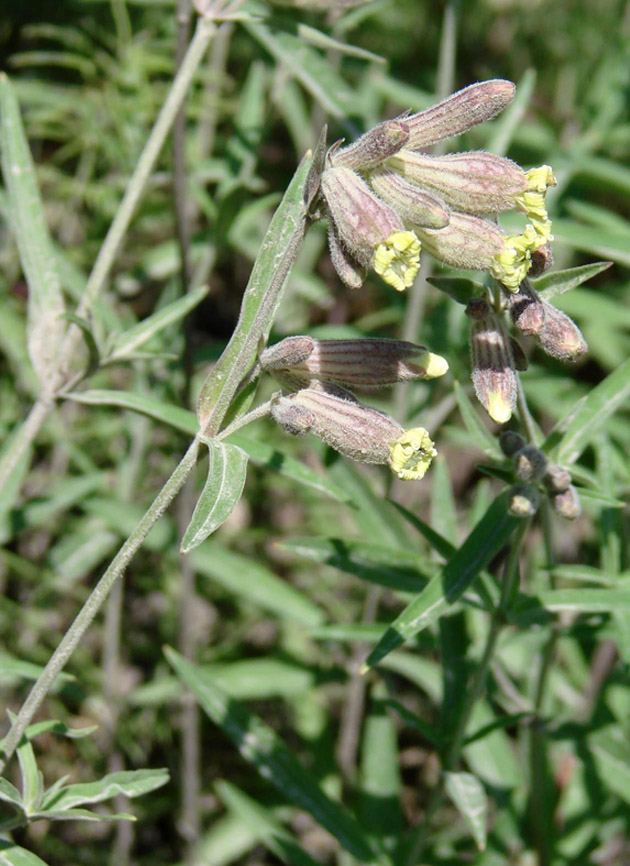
{"x": 574, "y": 432}
{"x": 262, "y": 747}
{"x": 387, "y": 566}
{"x": 487, "y": 538}
{"x": 244, "y": 576}
{"x": 469, "y": 796}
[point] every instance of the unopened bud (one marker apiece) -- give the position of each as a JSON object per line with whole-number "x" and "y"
{"x": 523, "y": 501}
{"x": 361, "y": 363}
{"x": 529, "y": 464}
{"x": 416, "y": 207}
{"x": 560, "y": 337}
{"x": 458, "y": 113}
{"x": 370, "y": 231}
{"x": 567, "y": 504}
{"x": 357, "y": 431}
{"x": 556, "y": 479}
{"x": 493, "y": 373}
{"x": 373, "y": 147}
{"x": 526, "y": 309}
{"x": 510, "y": 442}
{"x": 473, "y": 182}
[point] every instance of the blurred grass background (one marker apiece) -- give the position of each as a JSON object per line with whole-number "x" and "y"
{"x": 91, "y": 77}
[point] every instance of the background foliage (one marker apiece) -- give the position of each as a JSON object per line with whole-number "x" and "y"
{"x": 283, "y": 605}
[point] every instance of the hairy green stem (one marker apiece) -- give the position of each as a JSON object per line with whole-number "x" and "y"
{"x": 95, "y": 601}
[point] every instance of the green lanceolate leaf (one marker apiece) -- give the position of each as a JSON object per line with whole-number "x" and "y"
{"x": 242, "y": 576}
{"x": 387, "y": 566}
{"x": 180, "y": 419}
{"x": 127, "y": 343}
{"x": 559, "y": 282}
{"x": 574, "y": 432}
{"x": 227, "y": 470}
{"x": 486, "y": 540}
{"x": 469, "y": 796}
{"x": 131, "y": 783}
{"x": 262, "y": 747}
{"x": 460, "y": 289}
{"x": 263, "y": 823}
{"x": 28, "y": 222}
{"x": 262, "y": 295}
{"x": 13, "y": 855}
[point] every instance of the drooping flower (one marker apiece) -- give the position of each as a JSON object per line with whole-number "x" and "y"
{"x": 363, "y": 363}
{"x": 493, "y": 369}
{"x": 364, "y": 434}
{"x": 366, "y": 232}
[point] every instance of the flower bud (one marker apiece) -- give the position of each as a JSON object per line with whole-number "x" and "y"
{"x": 560, "y": 337}
{"x": 510, "y": 442}
{"x": 556, "y": 479}
{"x": 526, "y": 309}
{"x": 493, "y": 373}
{"x": 458, "y": 113}
{"x": 361, "y": 363}
{"x": 523, "y": 501}
{"x": 567, "y": 504}
{"x": 416, "y": 206}
{"x": 357, "y": 431}
{"x": 369, "y": 230}
{"x": 529, "y": 464}
{"x": 378, "y": 143}
{"x": 474, "y": 182}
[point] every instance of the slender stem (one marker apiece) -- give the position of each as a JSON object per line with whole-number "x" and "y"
{"x": 21, "y": 439}
{"x": 95, "y": 601}
{"x": 259, "y": 412}
{"x": 111, "y": 245}
{"x": 474, "y": 692}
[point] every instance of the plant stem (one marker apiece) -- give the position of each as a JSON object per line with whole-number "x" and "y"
{"x": 259, "y": 412}
{"x": 111, "y": 245}
{"x": 95, "y": 601}
{"x": 475, "y": 690}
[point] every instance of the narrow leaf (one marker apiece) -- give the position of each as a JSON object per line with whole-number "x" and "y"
{"x": 142, "y": 332}
{"x": 262, "y": 747}
{"x": 131, "y": 783}
{"x": 559, "y": 282}
{"x": 28, "y": 222}
{"x": 177, "y": 417}
{"x": 396, "y": 569}
{"x": 265, "y": 826}
{"x": 227, "y": 469}
{"x": 256, "y": 584}
{"x": 486, "y": 540}
{"x": 469, "y": 796}
{"x": 586, "y": 418}
{"x": 13, "y": 855}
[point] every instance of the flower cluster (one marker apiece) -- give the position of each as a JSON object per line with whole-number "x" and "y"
{"x": 537, "y": 475}
{"x": 386, "y": 198}
{"x": 320, "y": 373}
